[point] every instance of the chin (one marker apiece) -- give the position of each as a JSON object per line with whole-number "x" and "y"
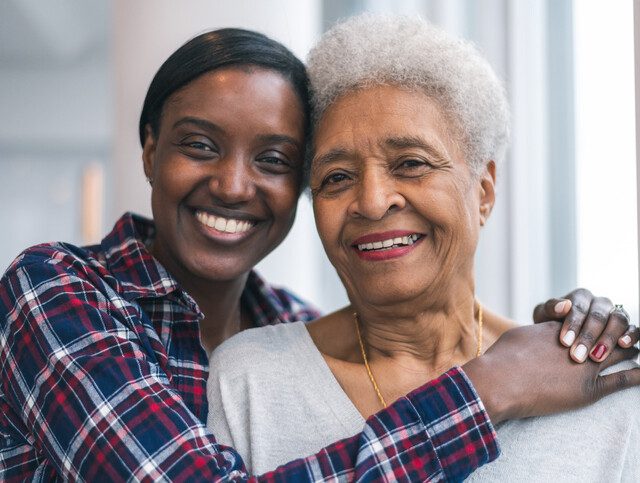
{"x": 390, "y": 294}
{"x": 219, "y": 270}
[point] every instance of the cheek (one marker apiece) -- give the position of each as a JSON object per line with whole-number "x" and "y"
{"x": 171, "y": 180}
{"x": 283, "y": 198}
{"x": 328, "y": 218}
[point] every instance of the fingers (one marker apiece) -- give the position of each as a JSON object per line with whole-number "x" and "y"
{"x": 616, "y": 327}
{"x": 552, "y": 309}
{"x": 617, "y": 381}
{"x": 580, "y": 302}
{"x": 593, "y": 327}
{"x": 619, "y": 355}
{"x": 630, "y": 337}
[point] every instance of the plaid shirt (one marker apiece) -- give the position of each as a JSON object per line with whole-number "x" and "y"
{"x": 103, "y": 378}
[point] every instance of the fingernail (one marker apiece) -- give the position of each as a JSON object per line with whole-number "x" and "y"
{"x": 569, "y": 337}
{"x": 626, "y": 339}
{"x": 599, "y": 351}
{"x": 561, "y": 307}
{"x": 581, "y": 352}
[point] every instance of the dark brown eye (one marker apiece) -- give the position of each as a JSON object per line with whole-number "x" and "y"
{"x": 275, "y": 162}
{"x": 412, "y": 163}
{"x": 200, "y": 146}
{"x": 335, "y": 178}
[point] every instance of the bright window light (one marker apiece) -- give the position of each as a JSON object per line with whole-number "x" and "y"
{"x": 605, "y": 150}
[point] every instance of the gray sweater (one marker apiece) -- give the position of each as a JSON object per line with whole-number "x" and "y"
{"x": 273, "y": 398}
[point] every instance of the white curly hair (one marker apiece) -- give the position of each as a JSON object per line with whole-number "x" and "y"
{"x": 371, "y": 49}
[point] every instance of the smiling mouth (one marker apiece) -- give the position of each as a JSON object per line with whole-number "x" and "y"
{"x": 389, "y": 243}
{"x": 222, "y": 224}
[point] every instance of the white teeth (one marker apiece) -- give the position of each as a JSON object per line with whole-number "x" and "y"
{"x": 227, "y": 225}
{"x": 390, "y": 243}
{"x": 221, "y": 224}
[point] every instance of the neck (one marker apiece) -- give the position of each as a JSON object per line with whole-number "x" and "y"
{"x": 220, "y": 304}
{"x": 428, "y": 340}
{"x": 219, "y": 301}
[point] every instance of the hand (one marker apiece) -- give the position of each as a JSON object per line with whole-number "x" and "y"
{"x": 588, "y": 325}
{"x": 527, "y": 373}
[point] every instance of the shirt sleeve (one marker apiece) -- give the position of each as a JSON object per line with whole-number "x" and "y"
{"x": 98, "y": 408}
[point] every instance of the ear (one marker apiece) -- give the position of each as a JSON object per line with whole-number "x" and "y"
{"x": 149, "y": 152}
{"x": 487, "y": 191}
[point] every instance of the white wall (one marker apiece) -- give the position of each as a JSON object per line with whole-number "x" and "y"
{"x": 54, "y": 118}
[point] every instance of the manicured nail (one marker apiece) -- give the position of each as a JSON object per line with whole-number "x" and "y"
{"x": 598, "y": 351}
{"x": 561, "y": 307}
{"x": 581, "y": 352}
{"x": 626, "y": 339}
{"x": 569, "y": 337}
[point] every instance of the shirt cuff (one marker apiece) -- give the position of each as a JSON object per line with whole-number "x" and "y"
{"x": 458, "y": 425}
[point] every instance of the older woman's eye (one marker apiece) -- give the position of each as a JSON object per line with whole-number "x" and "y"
{"x": 413, "y": 163}
{"x": 332, "y": 183}
{"x": 412, "y": 167}
{"x": 335, "y": 178}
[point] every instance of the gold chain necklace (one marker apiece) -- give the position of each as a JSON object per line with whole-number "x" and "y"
{"x": 366, "y": 362}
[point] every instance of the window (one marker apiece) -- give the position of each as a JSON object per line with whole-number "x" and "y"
{"x": 606, "y": 222}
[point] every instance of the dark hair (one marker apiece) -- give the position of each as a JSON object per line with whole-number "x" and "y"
{"x": 221, "y": 48}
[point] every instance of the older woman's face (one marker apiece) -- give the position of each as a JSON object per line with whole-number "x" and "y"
{"x": 397, "y": 207}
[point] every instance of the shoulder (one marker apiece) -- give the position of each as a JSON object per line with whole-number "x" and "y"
{"x": 258, "y": 361}
{"x": 48, "y": 267}
{"x": 297, "y": 308}
{"x": 495, "y": 325}
{"x": 255, "y": 349}
{"x": 270, "y": 304}
{"x": 582, "y": 444}
{"x": 54, "y": 254}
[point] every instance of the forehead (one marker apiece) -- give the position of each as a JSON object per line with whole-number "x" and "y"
{"x": 243, "y": 93}
{"x": 370, "y": 117}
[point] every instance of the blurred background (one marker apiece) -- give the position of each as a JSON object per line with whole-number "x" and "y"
{"x": 73, "y": 75}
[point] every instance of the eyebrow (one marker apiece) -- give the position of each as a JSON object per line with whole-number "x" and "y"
{"x": 395, "y": 142}
{"x": 203, "y": 123}
{"x": 263, "y": 138}
{"x": 279, "y": 138}
{"x": 403, "y": 142}
{"x": 329, "y": 157}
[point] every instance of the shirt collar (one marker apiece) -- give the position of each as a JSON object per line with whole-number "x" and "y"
{"x": 131, "y": 263}
{"x": 141, "y": 275}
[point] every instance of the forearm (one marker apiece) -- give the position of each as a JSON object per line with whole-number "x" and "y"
{"x": 438, "y": 431}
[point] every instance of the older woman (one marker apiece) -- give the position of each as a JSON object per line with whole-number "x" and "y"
{"x": 410, "y": 127}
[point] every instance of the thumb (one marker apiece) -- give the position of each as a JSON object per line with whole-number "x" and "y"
{"x": 552, "y": 309}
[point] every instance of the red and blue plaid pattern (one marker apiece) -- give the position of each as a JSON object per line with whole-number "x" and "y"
{"x": 103, "y": 378}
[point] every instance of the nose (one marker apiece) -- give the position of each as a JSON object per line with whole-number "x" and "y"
{"x": 231, "y": 180}
{"x": 376, "y": 195}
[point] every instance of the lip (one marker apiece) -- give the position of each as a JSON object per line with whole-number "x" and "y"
{"x": 391, "y": 253}
{"x": 374, "y": 237}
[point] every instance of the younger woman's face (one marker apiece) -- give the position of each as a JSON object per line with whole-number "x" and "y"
{"x": 226, "y": 171}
